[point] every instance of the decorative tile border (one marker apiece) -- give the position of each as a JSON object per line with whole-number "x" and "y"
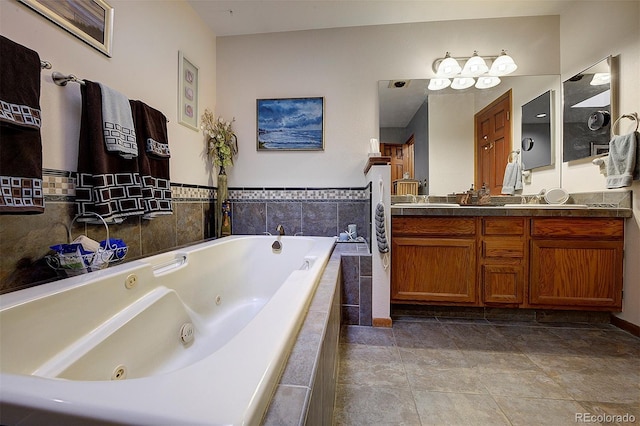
{"x": 299, "y": 194}
{"x": 60, "y": 185}
{"x": 181, "y": 192}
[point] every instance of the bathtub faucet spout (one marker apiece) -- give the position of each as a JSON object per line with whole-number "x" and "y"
{"x": 280, "y": 230}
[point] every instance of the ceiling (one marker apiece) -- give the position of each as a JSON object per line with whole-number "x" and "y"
{"x": 242, "y": 17}
{"x": 245, "y": 17}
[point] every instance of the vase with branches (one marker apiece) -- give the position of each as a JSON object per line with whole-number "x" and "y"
{"x": 222, "y": 143}
{"x": 222, "y": 146}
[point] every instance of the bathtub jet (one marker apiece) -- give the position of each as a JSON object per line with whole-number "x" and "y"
{"x": 200, "y": 325}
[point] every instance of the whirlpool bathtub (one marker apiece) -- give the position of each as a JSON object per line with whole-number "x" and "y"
{"x": 192, "y": 336}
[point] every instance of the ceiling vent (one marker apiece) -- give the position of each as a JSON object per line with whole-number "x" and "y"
{"x": 399, "y": 84}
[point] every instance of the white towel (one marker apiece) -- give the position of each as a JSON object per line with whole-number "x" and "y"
{"x": 512, "y": 178}
{"x": 117, "y": 123}
{"x": 623, "y": 162}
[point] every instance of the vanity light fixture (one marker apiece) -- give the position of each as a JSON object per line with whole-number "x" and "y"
{"x": 448, "y": 68}
{"x": 503, "y": 65}
{"x": 475, "y": 66}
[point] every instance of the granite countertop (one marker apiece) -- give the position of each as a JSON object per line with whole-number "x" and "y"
{"x": 496, "y": 210}
{"x": 599, "y": 204}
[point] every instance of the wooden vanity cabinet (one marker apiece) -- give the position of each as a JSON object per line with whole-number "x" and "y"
{"x": 576, "y": 262}
{"x": 433, "y": 260}
{"x": 503, "y": 260}
{"x": 512, "y": 261}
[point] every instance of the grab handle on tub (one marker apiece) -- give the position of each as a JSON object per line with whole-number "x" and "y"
{"x": 164, "y": 267}
{"x": 307, "y": 263}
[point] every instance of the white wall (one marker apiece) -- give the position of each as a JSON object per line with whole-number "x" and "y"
{"x": 344, "y": 65}
{"x": 144, "y": 66}
{"x": 589, "y": 34}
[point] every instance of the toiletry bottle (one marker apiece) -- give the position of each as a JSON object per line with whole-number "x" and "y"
{"x": 484, "y": 195}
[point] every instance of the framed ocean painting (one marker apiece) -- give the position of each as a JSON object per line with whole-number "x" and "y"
{"x": 290, "y": 124}
{"x": 89, "y": 20}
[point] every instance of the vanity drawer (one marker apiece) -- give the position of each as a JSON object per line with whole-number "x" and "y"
{"x": 511, "y": 248}
{"x": 433, "y": 226}
{"x": 578, "y": 227}
{"x": 503, "y": 226}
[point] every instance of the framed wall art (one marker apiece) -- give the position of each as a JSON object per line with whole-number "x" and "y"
{"x": 89, "y": 20}
{"x": 187, "y": 92}
{"x": 290, "y": 124}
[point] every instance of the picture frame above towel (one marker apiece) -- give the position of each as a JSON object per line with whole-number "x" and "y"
{"x": 89, "y": 20}
{"x": 187, "y": 92}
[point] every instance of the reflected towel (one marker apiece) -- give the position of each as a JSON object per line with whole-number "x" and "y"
{"x": 623, "y": 162}
{"x": 108, "y": 184}
{"x": 512, "y": 178}
{"x": 153, "y": 159}
{"x": 20, "y": 140}
{"x": 117, "y": 123}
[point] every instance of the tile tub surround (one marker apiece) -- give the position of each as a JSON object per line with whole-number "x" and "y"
{"x": 25, "y": 239}
{"x": 356, "y": 283}
{"x": 430, "y": 370}
{"x": 310, "y": 211}
{"x": 306, "y": 392}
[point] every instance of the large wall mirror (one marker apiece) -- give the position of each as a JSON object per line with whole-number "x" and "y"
{"x": 440, "y": 124}
{"x": 587, "y": 112}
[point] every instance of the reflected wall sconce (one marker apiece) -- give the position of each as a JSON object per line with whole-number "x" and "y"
{"x": 475, "y": 67}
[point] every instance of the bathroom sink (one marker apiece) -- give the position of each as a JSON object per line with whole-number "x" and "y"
{"x": 547, "y": 206}
{"x": 425, "y": 205}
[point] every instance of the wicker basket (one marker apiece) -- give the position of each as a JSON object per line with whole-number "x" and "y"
{"x": 72, "y": 259}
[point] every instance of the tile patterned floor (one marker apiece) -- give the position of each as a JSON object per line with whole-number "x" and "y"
{"x": 428, "y": 371}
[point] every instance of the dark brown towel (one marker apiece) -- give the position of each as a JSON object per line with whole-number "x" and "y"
{"x": 153, "y": 158}
{"x": 20, "y": 142}
{"x": 108, "y": 184}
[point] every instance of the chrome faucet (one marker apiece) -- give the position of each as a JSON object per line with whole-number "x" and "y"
{"x": 538, "y": 197}
{"x": 277, "y": 244}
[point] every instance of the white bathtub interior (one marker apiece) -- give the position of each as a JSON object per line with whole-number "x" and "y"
{"x": 127, "y": 330}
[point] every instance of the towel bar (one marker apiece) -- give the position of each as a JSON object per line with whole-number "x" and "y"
{"x": 45, "y": 64}
{"x": 62, "y": 80}
{"x": 631, "y": 116}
